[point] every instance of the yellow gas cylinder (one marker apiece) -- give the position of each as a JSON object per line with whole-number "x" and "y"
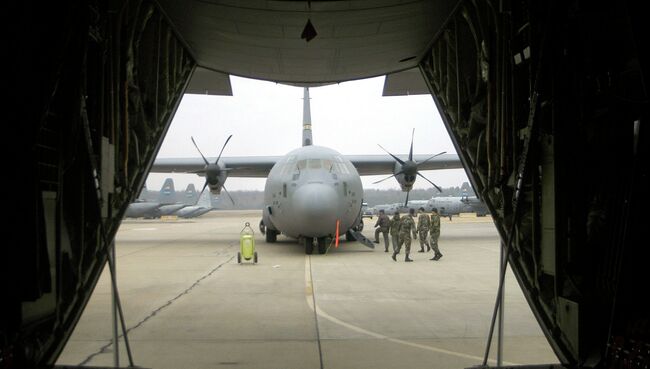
{"x": 247, "y": 244}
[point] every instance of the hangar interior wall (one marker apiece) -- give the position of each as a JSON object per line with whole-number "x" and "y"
{"x": 545, "y": 103}
{"x": 108, "y": 79}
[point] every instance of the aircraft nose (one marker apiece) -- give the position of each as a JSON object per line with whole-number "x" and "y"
{"x": 315, "y": 206}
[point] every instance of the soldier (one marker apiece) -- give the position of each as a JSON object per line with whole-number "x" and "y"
{"x": 423, "y": 229}
{"x": 435, "y": 233}
{"x": 383, "y": 226}
{"x": 394, "y": 232}
{"x": 407, "y": 226}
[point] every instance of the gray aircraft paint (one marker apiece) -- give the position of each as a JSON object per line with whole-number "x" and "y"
{"x": 202, "y": 206}
{"x": 308, "y": 190}
{"x": 448, "y": 206}
{"x": 312, "y": 188}
{"x": 167, "y": 204}
{"x": 164, "y": 205}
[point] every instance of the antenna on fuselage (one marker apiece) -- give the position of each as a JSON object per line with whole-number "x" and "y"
{"x": 306, "y": 120}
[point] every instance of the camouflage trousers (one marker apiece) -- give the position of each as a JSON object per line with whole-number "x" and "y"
{"x": 434, "y": 242}
{"x": 385, "y": 232}
{"x": 404, "y": 239}
{"x": 422, "y": 235}
{"x": 396, "y": 244}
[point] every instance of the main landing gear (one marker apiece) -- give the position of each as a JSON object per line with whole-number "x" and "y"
{"x": 322, "y": 242}
{"x": 271, "y": 235}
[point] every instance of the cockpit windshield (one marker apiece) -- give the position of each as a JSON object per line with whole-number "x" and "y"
{"x": 333, "y": 165}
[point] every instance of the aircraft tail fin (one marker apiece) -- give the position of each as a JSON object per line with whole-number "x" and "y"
{"x": 167, "y": 194}
{"x": 190, "y": 195}
{"x": 306, "y": 119}
{"x": 205, "y": 200}
{"x": 143, "y": 193}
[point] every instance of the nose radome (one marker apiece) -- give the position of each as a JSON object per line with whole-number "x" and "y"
{"x": 316, "y": 206}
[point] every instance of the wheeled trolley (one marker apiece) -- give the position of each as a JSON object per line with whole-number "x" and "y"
{"x": 247, "y": 244}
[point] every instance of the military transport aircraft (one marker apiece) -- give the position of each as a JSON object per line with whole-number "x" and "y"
{"x": 196, "y": 207}
{"x": 189, "y": 206}
{"x": 454, "y": 205}
{"x": 165, "y": 205}
{"x": 313, "y": 193}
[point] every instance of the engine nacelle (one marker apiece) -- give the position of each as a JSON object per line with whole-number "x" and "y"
{"x": 405, "y": 175}
{"x": 215, "y": 178}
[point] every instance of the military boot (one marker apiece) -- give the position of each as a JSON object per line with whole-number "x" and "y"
{"x": 394, "y": 256}
{"x": 407, "y": 258}
{"x": 428, "y": 248}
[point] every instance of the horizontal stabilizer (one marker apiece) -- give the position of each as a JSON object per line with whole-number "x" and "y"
{"x": 361, "y": 238}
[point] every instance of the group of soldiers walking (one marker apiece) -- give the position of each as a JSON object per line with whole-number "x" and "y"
{"x": 401, "y": 229}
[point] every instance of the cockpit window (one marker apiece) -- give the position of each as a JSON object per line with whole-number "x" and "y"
{"x": 314, "y": 164}
{"x": 327, "y": 164}
{"x": 302, "y": 164}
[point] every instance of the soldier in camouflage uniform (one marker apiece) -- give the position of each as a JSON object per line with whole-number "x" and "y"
{"x": 383, "y": 226}
{"x": 423, "y": 229}
{"x": 434, "y": 229}
{"x": 407, "y": 226}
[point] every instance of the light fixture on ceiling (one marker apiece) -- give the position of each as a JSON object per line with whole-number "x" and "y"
{"x": 308, "y": 32}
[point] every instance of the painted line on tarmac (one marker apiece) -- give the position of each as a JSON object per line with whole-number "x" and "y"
{"x": 311, "y": 301}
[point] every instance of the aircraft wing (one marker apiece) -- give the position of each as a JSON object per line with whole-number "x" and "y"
{"x": 242, "y": 166}
{"x": 260, "y": 166}
{"x": 368, "y": 165}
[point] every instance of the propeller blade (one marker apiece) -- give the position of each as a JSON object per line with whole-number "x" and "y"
{"x": 434, "y": 185}
{"x": 228, "y": 193}
{"x": 398, "y": 173}
{"x": 424, "y": 161}
{"x": 224, "y": 146}
{"x": 411, "y": 151}
{"x": 201, "y": 193}
{"x": 406, "y": 203}
{"x": 197, "y": 149}
{"x": 394, "y": 157}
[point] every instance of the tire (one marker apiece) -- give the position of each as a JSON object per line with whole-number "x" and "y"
{"x": 271, "y": 235}
{"x": 255, "y": 257}
{"x": 323, "y": 242}
{"x": 239, "y": 258}
{"x": 309, "y": 245}
{"x": 262, "y": 227}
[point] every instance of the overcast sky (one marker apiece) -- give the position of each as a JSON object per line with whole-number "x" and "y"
{"x": 265, "y": 118}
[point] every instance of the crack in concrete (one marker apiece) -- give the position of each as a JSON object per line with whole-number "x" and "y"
{"x": 104, "y": 349}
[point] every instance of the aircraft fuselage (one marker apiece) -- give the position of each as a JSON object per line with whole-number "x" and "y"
{"x": 308, "y": 190}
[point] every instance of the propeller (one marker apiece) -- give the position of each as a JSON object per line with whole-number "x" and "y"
{"x": 409, "y": 169}
{"x": 213, "y": 171}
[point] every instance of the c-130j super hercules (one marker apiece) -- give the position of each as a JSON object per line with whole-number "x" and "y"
{"x": 313, "y": 188}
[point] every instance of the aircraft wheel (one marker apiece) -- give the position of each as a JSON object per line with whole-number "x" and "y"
{"x": 323, "y": 242}
{"x": 271, "y": 235}
{"x": 309, "y": 245}
{"x": 262, "y": 227}
{"x": 239, "y": 258}
{"x": 255, "y": 257}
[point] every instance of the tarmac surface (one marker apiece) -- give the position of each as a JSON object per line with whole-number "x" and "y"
{"x": 188, "y": 304}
